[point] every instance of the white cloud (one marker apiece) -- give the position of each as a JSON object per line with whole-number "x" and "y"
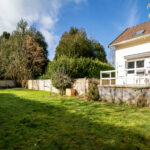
{"x": 41, "y": 12}
{"x": 52, "y": 40}
{"x": 48, "y": 22}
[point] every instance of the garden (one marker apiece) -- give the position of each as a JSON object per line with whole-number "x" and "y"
{"x": 36, "y": 120}
{"x": 42, "y": 120}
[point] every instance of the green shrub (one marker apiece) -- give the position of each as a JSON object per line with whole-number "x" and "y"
{"x": 77, "y": 68}
{"x": 44, "y": 76}
{"x": 93, "y": 93}
{"x": 48, "y": 72}
{"x": 61, "y": 81}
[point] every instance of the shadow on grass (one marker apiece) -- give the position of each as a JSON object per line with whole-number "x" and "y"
{"x": 29, "y": 124}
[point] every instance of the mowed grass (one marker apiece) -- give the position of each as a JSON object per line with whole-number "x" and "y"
{"x": 37, "y": 120}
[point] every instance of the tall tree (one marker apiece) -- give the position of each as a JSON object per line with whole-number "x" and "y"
{"x": 98, "y": 51}
{"x": 4, "y": 53}
{"x": 18, "y": 68}
{"x": 39, "y": 38}
{"x": 5, "y": 35}
{"x": 25, "y": 54}
{"x": 36, "y": 57}
{"x": 75, "y": 44}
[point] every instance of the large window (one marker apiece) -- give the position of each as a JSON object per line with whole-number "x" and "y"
{"x": 133, "y": 65}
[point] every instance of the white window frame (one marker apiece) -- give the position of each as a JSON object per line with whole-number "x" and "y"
{"x": 135, "y": 66}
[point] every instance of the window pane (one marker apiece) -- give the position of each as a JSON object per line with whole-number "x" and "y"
{"x": 140, "y": 73}
{"x": 130, "y": 65}
{"x": 139, "y": 32}
{"x": 131, "y": 72}
{"x": 140, "y": 64}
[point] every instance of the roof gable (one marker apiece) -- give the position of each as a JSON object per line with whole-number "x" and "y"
{"x": 133, "y": 32}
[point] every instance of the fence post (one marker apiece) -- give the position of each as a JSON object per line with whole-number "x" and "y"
{"x": 100, "y": 78}
{"x": 110, "y": 78}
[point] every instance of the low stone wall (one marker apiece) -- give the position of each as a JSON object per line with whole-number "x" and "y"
{"x": 44, "y": 85}
{"x": 130, "y": 95}
{"x": 7, "y": 84}
{"x": 80, "y": 85}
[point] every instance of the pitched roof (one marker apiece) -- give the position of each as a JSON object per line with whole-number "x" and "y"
{"x": 129, "y": 33}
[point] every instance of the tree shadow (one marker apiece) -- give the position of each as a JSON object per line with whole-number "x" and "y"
{"x": 29, "y": 124}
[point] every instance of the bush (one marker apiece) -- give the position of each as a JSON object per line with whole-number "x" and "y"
{"x": 43, "y": 77}
{"x": 93, "y": 93}
{"x": 48, "y": 72}
{"x": 77, "y": 68}
{"x": 61, "y": 81}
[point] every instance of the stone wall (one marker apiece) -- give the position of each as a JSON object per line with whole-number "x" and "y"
{"x": 130, "y": 95}
{"x": 80, "y": 85}
{"x": 44, "y": 85}
{"x": 7, "y": 84}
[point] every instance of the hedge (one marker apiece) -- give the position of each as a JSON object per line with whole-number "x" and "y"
{"x": 77, "y": 68}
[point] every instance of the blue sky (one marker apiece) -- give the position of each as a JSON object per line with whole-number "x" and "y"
{"x": 103, "y": 20}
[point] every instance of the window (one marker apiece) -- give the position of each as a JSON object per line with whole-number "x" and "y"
{"x": 131, "y": 65}
{"x": 131, "y": 72}
{"x": 138, "y": 33}
{"x": 141, "y": 72}
{"x": 140, "y": 64}
{"x": 135, "y": 64}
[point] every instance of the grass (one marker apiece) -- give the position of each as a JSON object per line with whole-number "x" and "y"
{"x": 37, "y": 120}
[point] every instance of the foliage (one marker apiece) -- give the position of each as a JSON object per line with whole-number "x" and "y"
{"x": 17, "y": 69}
{"x": 75, "y": 44}
{"x": 22, "y": 55}
{"x": 48, "y": 71}
{"x": 98, "y": 51}
{"x": 93, "y": 93}
{"x": 61, "y": 81}
{"x": 78, "y": 67}
{"x": 4, "y": 54}
{"x": 36, "y": 57}
{"x": 5, "y": 35}
{"x": 39, "y": 38}
{"x": 148, "y": 7}
{"x": 35, "y": 120}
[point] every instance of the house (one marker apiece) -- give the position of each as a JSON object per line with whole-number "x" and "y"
{"x": 132, "y": 57}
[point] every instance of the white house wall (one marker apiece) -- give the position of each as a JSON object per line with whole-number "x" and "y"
{"x": 120, "y": 59}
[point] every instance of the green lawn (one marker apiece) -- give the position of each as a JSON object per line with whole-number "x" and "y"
{"x": 37, "y": 120}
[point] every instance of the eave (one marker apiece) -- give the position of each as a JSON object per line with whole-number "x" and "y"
{"x": 130, "y": 40}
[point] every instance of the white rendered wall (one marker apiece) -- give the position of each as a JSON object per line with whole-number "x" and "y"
{"x": 121, "y": 61}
